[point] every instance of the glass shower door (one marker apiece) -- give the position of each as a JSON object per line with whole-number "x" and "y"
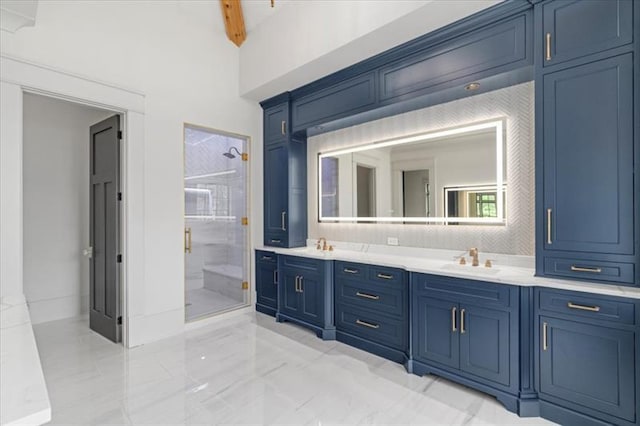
{"x": 216, "y": 233}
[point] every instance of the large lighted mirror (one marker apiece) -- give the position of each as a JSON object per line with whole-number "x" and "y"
{"x": 452, "y": 176}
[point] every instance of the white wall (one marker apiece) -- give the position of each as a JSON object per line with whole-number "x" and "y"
{"x": 309, "y": 39}
{"x": 56, "y": 206}
{"x": 175, "y": 53}
{"x": 515, "y": 104}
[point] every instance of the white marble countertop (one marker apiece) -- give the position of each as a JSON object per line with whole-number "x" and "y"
{"x": 23, "y": 392}
{"x": 507, "y": 269}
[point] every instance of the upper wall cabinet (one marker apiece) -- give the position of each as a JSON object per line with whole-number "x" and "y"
{"x": 490, "y": 50}
{"x": 276, "y": 123}
{"x": 573, "y": 29}
{"x": 343, "y": 99}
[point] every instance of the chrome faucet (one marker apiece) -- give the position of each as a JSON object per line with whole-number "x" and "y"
{"x": 473, "y": 252}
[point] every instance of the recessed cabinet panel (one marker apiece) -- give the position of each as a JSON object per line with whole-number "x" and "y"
{"x": 312, "y": 299}
{"x": 485, "y": 344}
{"x": 435, "y": 335}
{"x": 372, "y": 326}
{"x": 588, "y": 158}
{"x": 573, "y": 29}
{"x": 290, "y": 300}
{"x": 588, "y": 365}
{"x": 340, "y": 100}
{"x": 489, "y": 48}
{"x": 275, "y": 203}
{"x": 276, "y": 122}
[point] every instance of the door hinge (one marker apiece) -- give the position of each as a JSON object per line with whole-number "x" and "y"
{"x": 120, "y": 134}
{"x": 119, "y": 258}
{"x": 120, "y": 320}
{"x": 245, "y": 285}
{"x": 245, "y": 221}
{"x": 119, "y": 196}
{"x": 245, "y": 156}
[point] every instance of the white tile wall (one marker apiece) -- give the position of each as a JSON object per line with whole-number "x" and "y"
{"x": 516, "y": 104}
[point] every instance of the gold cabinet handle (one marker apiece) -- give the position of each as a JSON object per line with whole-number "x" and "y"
{"x": 350, "y": 271}
{"x": 187, "y": 240}
{"x": 549, "y": 226}
{"x": 454, "y": 326}
{"x": 582, "y": 269}
{"x": 367, "y": 324}
{"x": 545, "y": 346}
{"x": 547, "y": 40}
{"x": 367, "y": 296}
{"x": 275, "y": 276}
{"x": 385, "y": 276}
{"x": 462, "y": 330}
{"x": 283, "y": 224}
{"x": 283, "y": 129}
{"x": 572, "y": 305}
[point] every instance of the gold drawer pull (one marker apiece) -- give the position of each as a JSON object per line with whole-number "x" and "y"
{"x": 454, "y": 312}
{"x": 547, "y": 55}
{"x": 583, "y": 307}
{"x": 350, "y": 271}
{"x": 368, "y": 296}
{"x": 545, "y": 346}
{"x": 367, "y": 324}
{"x": 580, "y": 269}
{"x": 385, "y": 276}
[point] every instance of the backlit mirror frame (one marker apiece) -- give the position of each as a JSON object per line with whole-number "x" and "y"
{"x": 497, "y": 124}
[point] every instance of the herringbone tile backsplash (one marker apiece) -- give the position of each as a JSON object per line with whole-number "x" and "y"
{"x": 514, "y": 103}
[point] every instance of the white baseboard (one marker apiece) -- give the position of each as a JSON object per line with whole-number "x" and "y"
{"x": 59, "y": 308}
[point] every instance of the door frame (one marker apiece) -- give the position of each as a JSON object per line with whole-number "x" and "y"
{"x": 248, "y": 195}
{"x": 20, "y": 76}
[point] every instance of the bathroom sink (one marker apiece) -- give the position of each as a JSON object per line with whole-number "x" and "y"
{"x": 471, "y": 269}
{"x": 312, "y": 251}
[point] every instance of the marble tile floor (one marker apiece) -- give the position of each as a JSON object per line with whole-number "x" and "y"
{"x": 202, "y": 302}
{"x": 246, "y": 369}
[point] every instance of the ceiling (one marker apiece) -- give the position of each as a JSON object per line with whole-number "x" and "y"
{"x": 256, "y": 11}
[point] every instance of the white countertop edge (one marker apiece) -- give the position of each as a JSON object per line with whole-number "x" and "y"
{"x": 512, "y": 275}
{"x": 23, "y": 391}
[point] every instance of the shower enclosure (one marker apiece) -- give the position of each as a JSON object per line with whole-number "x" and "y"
{"x": 216, "y": 231}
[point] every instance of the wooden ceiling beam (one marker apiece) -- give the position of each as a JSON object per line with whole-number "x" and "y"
{"x": 233, "y": 21}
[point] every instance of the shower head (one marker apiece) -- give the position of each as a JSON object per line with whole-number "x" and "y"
{"x": 228, "y": 154}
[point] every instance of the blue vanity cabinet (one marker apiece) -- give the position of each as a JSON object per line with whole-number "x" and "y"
{"x": 305, "y": 293}
{"x": 573, "y": 29}
{"x": 285, "y": 178}
{"x": 372, "y": 312}
{"x": 266, "y": 282}
{"x": 467, "y": 331}
{"x": 587, "y": 352}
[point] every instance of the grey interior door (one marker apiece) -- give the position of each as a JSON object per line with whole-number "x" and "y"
{"x": 104, "y": 299}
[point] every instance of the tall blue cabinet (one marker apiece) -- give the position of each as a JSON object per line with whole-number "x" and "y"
{"x": 587, "y": 141}
{"x": 285, "y": 178}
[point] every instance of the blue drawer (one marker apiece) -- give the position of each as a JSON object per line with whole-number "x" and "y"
{"x": 461, "y": 290}
{"x": 304, "y": 264}
{"x": 388, "y": 276}
{"x": 368, "y": 295}
{"x": 589, "y": 269}
{"x": 372, "y": 326}
{"x": 586, "y": 305}
{"x": 350, "y": 270}
{"x": 267, "y": 257}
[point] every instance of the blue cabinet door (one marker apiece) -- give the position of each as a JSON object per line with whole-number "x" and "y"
{"x": 588, "y": 158}
{"x": 484, "y": 343}
{"x": 588, "y": 365}
{"x": 275, "y": 194}
{"x": 312, "y": 299}
{"x": 572, "y": 29}
{"x": 288, "y": 292}
{"x": 266, "y": 282}
{"x": 276, "y": 123}
{"x": 435, "y": 331}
